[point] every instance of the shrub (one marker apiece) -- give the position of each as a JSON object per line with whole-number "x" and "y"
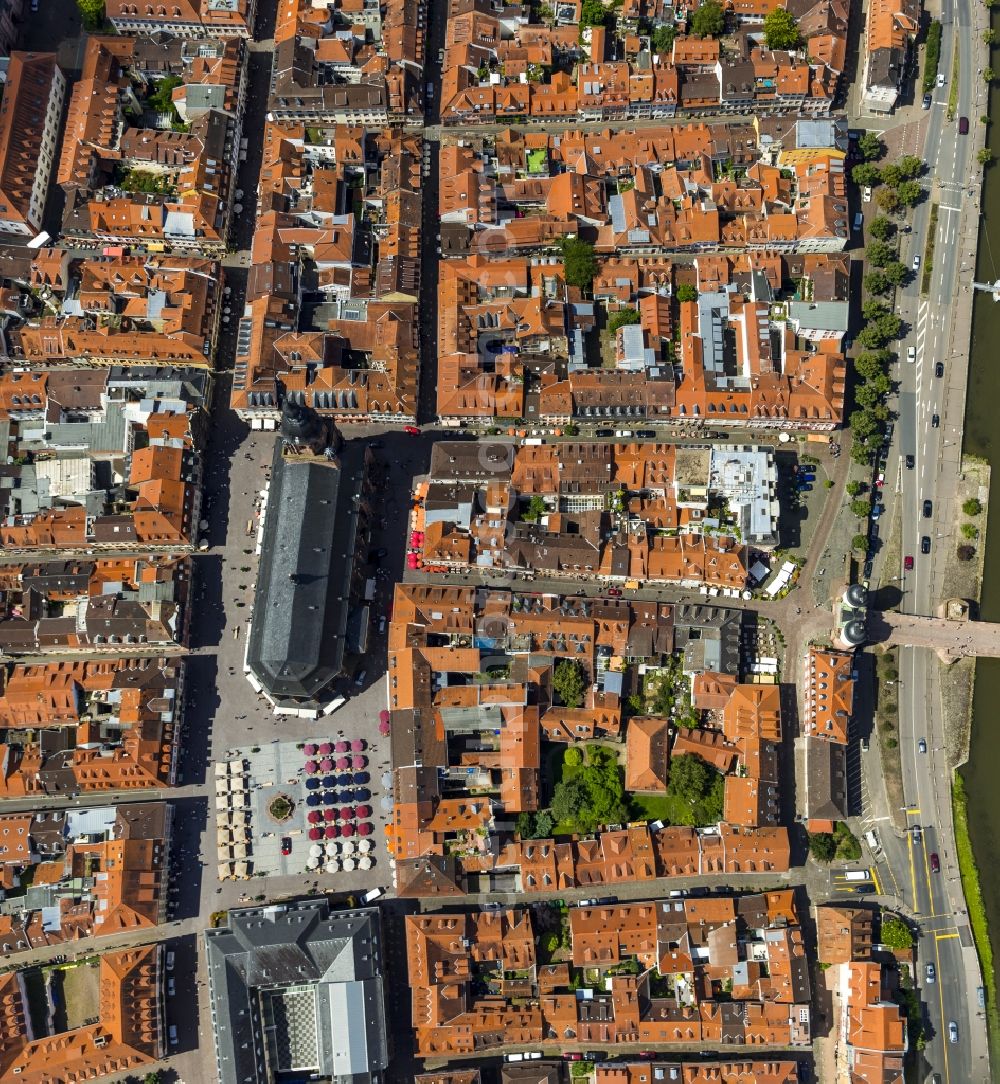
{"x": 895, "y": 933}
{"x": 709, "y": 20}
{"x": 622, "y": 318}
{"x": 972, "y": 507}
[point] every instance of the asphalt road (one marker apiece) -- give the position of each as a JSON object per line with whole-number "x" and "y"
{"x": 934, "y": 898}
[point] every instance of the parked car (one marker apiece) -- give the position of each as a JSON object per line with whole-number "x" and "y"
{"x": 928, "y": 509}
{"x": 646, "y": 434}
{"x": 922, "y": 745}
{"x": 929, "y": 974}
{"x": 413, "y": 430}
{"x": 286, "y": 845}
{"x": 927, "y": 101}
{"x": 935, "y": 421}
{"x": 939, "y": 369}
{"x": 952, "y": 1031}
{"x": 908, "y": 562}
{"x": 911, "y": 354}
{"x": 916, "y": 263}
{"x": 909, "y": 462}
{"x": 866, "y": 194}
{"x": 614, "y": 592}
{"x": 604, "y": 432}
{"x": 935, "y": 863}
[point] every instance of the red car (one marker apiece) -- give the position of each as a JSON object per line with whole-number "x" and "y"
{"x": 412, "y": 430}
{"x": 908, "y": 563}
{"x": 286, "y": 845}
{"x": 614, "y": 592}
{"x": 935, "y": 863}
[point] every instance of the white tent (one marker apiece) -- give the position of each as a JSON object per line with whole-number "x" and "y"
{"x": 221, "y": 769}
{"x": 225, "y": 871}
{"x": 242, "y": 869}
{"x": 222, "y": 802}
{"x": 240, "y": 850}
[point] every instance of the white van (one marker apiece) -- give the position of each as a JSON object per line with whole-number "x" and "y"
{"x": 871, "y": 838}
{"x": 375, "y": 894}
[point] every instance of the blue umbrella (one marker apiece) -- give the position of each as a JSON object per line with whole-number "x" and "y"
{"x": 362, "y": 794}
{"x": 344, "y": 780}
{"x": 312, "y": 799}
{"x": 329, "y": 797}
{"x": 329, "y": 781}
{"x": 312, "y": 784}
{"x": 361, "y": 777}
{"x": 347, "y": 796}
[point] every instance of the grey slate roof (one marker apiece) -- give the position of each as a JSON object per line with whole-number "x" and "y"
{"x": 269, "y": 958}
{"x": 306, "y": 589}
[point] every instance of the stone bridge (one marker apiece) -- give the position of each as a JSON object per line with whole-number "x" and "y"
{"x": 951, "y": 639}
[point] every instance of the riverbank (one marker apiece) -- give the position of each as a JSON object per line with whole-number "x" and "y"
{"x": 969, "y": 872}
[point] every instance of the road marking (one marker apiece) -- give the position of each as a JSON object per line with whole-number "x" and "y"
{"x": 927, "y": 874}
{"x": 947, "y": 207}
{"x": 913, "y": 873}
{"x": 945, "y": 936}
{"x": 912, "y": 812}
{"x": 940, "y": 986}
{"x": 878, "y": 886}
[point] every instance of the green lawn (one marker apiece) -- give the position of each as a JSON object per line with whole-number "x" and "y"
{"x": 537, "y": 160}
{"x": 659, "y": 807}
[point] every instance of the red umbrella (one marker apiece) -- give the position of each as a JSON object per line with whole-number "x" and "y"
{"x": 341, "y": 747}
{"x": 332, "y": 831}
{"x": 342, "y": 763}
{"x": 315, "y": 833}
{"x": 363, "y": 811}
{"x": 311, "y": 767}
{"x": 384, "y": 728}
{"x": 411, "y": 560}
{"x": 310, "y": 748}
{"x": 326, "y": 748}
{"x": 330, "y": 814}
{"x": 365, "y": 828}
{"x": 358, "y": 745}
{"x": 358, "y": 762}
{"x": 346, "y": 830}
{"x": 346, "y": 813}
{"x": 326, "y": 764}
{"x": 314, "y": 816}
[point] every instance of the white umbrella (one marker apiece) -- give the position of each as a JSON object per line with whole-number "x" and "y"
{"x": 332, "y": 866}
{"x": 221, "y": 769}
{"x": 242, "y": 869}
{"x": 222, "y": 802}
{"x": 364, "y": 845}
{"x": 238, "y": 765}
{"x": 348, "y": 864}
{"x": 331, "y": 848}
{"x": 240, "y": 850}
{"x": 312, "y": 863}
{"x": 225, "y": 871}
{"x": 364, "y": 862}
{"x": 222, "y": 837}
{"x": 348, "y": 846}
{"x": 316, "y": 850}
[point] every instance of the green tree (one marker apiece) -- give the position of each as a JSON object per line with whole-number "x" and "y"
{"x": 984, "y": 156}
{"x": 160, "y": 99}
{"x": 593, "y": 13}
{"x": 909, "y": 193}
{"x": 535, "y": 510}
{"x": 879, "y": 253}
{"x": 91, "y": 12}
{"x": 663, "y": 38}
{"x": 895, "y": 932}
{"x": 151, "y": 1078}
{"x": 572, "y": 758}
{"x": 875, "y": 282}
{"x": 699, "y": 786}
{"x": 569, "y": 682}
{"x": 871, "y": 363}
{"x": 892, "y": 174}
{"x": 989, "y": 36}
{"x": 895, "y": 273}
{"x": 970, "y": 531}
{"x": 972, "y": 507}
{"x": 822, "y": 846}
{"x": 853, "y": 488}
{"x": 860, "y": 543}
{"x": 708, "y": 20}
{"x": 989, "y": 75}
{"x": 887, "y": 200}
{"x": 871, "y": 146}
{"x": 686, "y": 292}
{"x": 867, "y": 395}
{"x": 866, "y": 173}
{"x": 910, "y": 167}
{"x": 873, "y": 308}
{"x": 881, "y": 228}
{"x": 781, "y": 30}
{"x": 862, "y": 509}
{"x": 569, "y": 800}
{"x": 578, "y": 261}
{"x": 622, "y": 318}
{"x": 848, "y": 847}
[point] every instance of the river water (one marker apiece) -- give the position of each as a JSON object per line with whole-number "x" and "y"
{"x": 982, "y": 437}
